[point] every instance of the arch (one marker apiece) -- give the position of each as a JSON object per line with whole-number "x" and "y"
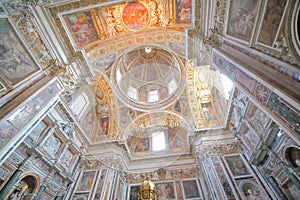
{"x": 293, "y": 28}
{"x": 28, "y": 183}
{"x": 291, "y": 155}
{"x": 250, "y": 190}
{"x": 33, "y": 181}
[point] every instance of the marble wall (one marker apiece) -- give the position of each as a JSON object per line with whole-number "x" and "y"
{"x": 47, "y": 157}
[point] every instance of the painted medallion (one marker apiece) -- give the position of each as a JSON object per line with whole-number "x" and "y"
{"x": 135, "y": 16}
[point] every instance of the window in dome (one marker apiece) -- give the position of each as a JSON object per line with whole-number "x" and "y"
{"x": 153, "y": 96}
{"x": 132, "y": 93}
{"x": 158, "y": 141}
{"x": 118, "y": 75}
{"x": 172, "y": 86}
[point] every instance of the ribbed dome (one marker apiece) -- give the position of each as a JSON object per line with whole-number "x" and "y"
{"x": 148, "y": 77}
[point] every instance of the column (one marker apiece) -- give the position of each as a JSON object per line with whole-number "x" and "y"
{"x": 277, "y": 189}
{"x": 39, "y": 194}
{"x": 289, "y": 174}
{"x": 10, "y": 184}
{"x": 286, "y": 170}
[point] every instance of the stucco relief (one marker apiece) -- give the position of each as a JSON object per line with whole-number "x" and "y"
{"x": 260, "y": 122}
{"x": 24, "y": 19}
{"x": 67, "y": 159}
{"x": 52, "y": 146}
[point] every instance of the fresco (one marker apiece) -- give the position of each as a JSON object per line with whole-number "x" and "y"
{"x": 106, "y": 120}
{"x": 135, "y": 16}
{"x": 126, "y": 116}
{"x": 16, "y": 64}
{"x": 165, "y": 190}
{"x": 178, "y": 48}
{"x": 183, "y": 11}
{"x": 130, "y": 138}
{"x": 105, "y": 63}
{"x": 182, "y": 106}
{"x": 86, "y": 181}
{"x": 174, "y": 140}
{"x": 134, "y": 192}
{"x": 271, "y": 21}
{"x": 242, "y": 16}
{"x": 237, "y": 166}
{"x": 102, "y": 111}
{"x": 208, "y": 111}
{"x": 103, "y": 125}
{"x": 190, "y": 189}
{"x": 142, "y": 145}
{"x": 82, "y": 28}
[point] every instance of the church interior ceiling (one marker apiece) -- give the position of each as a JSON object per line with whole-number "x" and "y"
{"x": 136, "y": 90}
{"x": 142, "y": 82}
{"x": 139, "y": 87}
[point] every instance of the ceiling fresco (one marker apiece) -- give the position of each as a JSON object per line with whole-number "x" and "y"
{"x": 143, "y": 85}
{"x": 105, "y": 108}
{"x": 91, "y": 25}
{"x": 118, "y": 120}
{"x": 135, "y": 128}
{"x": 173, "y": 128}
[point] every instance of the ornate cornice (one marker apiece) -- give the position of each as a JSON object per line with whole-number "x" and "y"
{"x": 163, "y": 174}
{"x": 219, "y": 148}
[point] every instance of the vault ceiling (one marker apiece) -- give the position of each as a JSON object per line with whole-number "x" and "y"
{"x": 143, "y": 85}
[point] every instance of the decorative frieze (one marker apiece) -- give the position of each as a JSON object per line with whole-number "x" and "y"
{"x": 24, "y": 19}
{"x": 163, "y": 174}
{"x": 203, "y": 150}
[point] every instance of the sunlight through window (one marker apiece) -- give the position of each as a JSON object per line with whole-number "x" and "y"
{"x": 153, "y": 96}
{"x": 227, "y": 85}
{"x": 132, "y": 93}
{"x": 158, "y": 141}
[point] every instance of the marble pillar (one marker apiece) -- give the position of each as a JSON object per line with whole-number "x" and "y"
{"x": 39, "y": 194}
{"x": 292, "y": 177}
{"x": 58, "y": 198}
{"x": 10, "y": 184}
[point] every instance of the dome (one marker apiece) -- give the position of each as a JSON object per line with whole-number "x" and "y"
{"x": 148, "y": 77}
